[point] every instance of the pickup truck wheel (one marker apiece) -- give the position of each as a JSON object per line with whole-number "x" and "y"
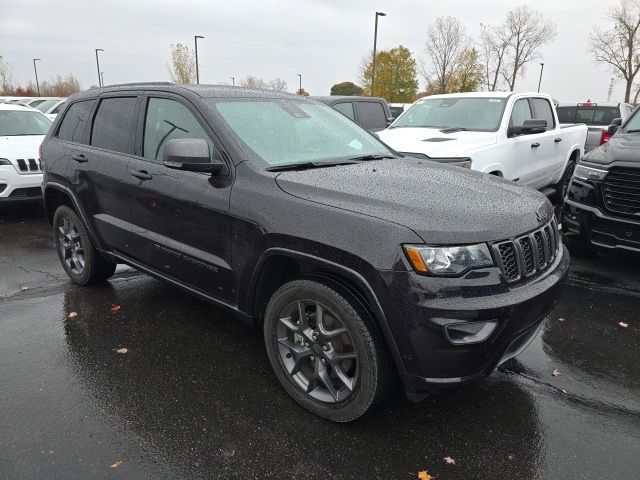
{"x": 325, "y": 353}
{"x": 78, "y": 257}
{"x": 563, "y": 185}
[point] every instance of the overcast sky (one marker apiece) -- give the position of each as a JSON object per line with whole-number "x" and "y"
{"x": 324, "y": 40}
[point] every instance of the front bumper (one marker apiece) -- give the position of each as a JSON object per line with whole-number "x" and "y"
{"x": 590, "y": 225}
{"x": 15, "y": 187}
{"x": 420, "y": 303}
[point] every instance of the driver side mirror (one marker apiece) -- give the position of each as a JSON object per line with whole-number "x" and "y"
{"x": 191, "y": 154}
{"x": 529, "y": 127}
{"x": 615, "y": 124}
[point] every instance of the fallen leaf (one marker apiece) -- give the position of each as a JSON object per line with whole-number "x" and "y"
{"x": 556, "y": 373}
{"x": 122, "y": 350}
{"x": 449, "y": 460}
{"x": 563, "y": 391}
{"x": 24, "y": 288}
{"x": 115, "y": 308}
{"x": 623, "y": 325}
{"x": 561, "y": 319}
{"x": 73, "y": 314}
{"x": 117, "y": 464}
{"x": 424, "y": 475}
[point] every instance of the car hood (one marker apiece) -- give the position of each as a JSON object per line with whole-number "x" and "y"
{"x": 20, "y": 146}
{"x": 622, "y": 147}
{"x": 442, "y": 204}
{"x": 433, "y": 143}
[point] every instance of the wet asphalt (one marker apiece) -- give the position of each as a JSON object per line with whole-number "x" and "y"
{"x": 194, "y": 396}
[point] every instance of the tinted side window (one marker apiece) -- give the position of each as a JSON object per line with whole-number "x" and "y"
{"x": 566, "y": 114}
{"x": 345, "y": 108}
{"x": 371, "y": 115}
{"x": 114, "y": 123}
{"x": 543, "y": 111}
{"x": 521, "y": 112}
{"x": 166, "y": 120}
{"x": 74, "y": 121}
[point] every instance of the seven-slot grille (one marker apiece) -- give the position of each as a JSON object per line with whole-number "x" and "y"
{"x": 528, "y": 255}
{"x": 621, "y": 190}
{"x": 29, "y": 165}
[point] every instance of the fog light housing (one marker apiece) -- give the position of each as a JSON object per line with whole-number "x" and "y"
{"x": 466, "y": 333}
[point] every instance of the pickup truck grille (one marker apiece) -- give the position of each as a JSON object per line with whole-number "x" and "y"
{"x": 528, "y": 255}
{"x": 621, "y": 190}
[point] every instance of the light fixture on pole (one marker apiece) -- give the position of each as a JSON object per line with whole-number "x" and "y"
{"x": 196, "y": 37}
{"x": 300, "y": 83}
{"x": 35, "y": 69}
{"x": 540, "y": 81}
{"x": 233, "y": 80}
{"x": 98, "y": 65}
{"x": 375, "y": 45}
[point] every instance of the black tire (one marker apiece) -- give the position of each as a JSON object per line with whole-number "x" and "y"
{"x": 84, "y": 265}
{"x": 372, "y": 370}
{"x": 562, "y": 186}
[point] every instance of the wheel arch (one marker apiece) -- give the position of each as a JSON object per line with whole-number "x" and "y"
{"x": 285, "y": 265}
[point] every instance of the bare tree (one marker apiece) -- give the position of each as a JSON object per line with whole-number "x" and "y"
{"x": 183, "y": 64}
{"x": 278, "y": 85}
{"x": 618, "y": 48}
{"x": 494, "y": 43}
{"x": 446, "y": 42}
{"x": 251, "y": 81}
{"x": 57, "y": 86}
{"x": 527, "y": 31}
{"x": 6, "y": 83}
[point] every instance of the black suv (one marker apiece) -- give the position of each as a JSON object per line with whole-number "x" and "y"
{"x": 361, "y": 265}
{"x": 602, "y": 206}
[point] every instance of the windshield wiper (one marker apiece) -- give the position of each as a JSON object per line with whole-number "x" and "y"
{"x": 633, "y": 130}
{"x": 366, "y": 158}
{"x": 305, "y": 165}
{"x": 453, "y": 129}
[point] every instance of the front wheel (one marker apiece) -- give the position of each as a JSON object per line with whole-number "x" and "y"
{"x": 80, "y": 260}
{"x": 563, "y": 185}
{"x": 325, "y": 352}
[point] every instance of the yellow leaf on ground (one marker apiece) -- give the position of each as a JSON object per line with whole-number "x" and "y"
{"x": 424, "y": 475}
{"x": 449, "y": 460}
{"x": 117, "y": 464}
{"x": 73, "y": 314}
{"x": 122, "y": 350}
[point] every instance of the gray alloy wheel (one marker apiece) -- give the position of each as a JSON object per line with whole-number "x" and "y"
{"x": 317, "y": 351}
{"x": 70, "y": 245}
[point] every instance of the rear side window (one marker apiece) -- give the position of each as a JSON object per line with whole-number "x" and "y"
{"x": 543, "y": 111}
{"x": 114, "y": 123}
{"x": 166, "y": 120}
{"x": 594, "y": 115}
{"x": 521, "y": 112}
{"x": 345, "y": 108}
{"x": 371, "y": 115}
{"x": 74, "y": 121}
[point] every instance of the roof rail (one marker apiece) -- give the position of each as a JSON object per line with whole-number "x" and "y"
{"x": 131, "y": 84}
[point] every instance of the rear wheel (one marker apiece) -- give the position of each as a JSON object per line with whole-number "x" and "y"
{"x": 78, "y": 257}
{"x": 324, "y": 351}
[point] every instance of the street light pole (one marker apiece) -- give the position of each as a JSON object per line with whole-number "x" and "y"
{"x": 300, "y": 88}
{"x": 35, "y": 69}
{"x": 102, "y": 78}
{"x": 540, "y": 81}
{"x": 233, "y": 81}
{"x": 375, "y": 44}
{"x": 196, "y": 37}
{"x": 98, "y": 65}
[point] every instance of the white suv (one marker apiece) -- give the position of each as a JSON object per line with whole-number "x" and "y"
{"x": 22, "y": 130}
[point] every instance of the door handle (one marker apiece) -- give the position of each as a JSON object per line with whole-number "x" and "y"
{"x": 535, "y": 145}
{"x": 142, "y": 174}
{"x": 80, "y": 158}
{"x": 558, "y": 140}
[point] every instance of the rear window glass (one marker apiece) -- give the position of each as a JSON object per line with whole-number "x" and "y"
{"x": 114, "y": 123}
{"x": 596, "y": 116}
{"x": 72, "y": 126}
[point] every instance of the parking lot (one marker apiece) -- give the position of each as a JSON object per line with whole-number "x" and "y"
{"x": 168, "y": 386}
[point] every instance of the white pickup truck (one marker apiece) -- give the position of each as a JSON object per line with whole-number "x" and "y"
{"x": 513, "y": 135}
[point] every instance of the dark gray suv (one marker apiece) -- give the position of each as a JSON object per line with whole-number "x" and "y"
{"x": 360, "y": 265}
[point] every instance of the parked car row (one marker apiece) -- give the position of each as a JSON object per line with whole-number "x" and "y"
{"x": 50, "y": 106}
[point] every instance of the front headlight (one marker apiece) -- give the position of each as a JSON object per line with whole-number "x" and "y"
{"x": 589, "y": 173}
{"x": 4, "y": 161}
{"x": 448, "y": 260}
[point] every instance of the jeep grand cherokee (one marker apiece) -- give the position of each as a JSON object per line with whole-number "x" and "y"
{"x": 361, "y": 265}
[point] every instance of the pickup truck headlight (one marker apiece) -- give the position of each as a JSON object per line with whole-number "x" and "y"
{"x": 453, "y": 260}
{"x": 4, "y": 161}
{"x": 589, "y": 173}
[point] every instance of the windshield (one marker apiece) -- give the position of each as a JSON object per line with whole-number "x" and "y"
{"x": 46, "y": 105}
{"x": 469, "y": 113}
{"x": 13, "y": 122}
{"x": 284, "y": 132}
{"x": 633, "y": 124}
